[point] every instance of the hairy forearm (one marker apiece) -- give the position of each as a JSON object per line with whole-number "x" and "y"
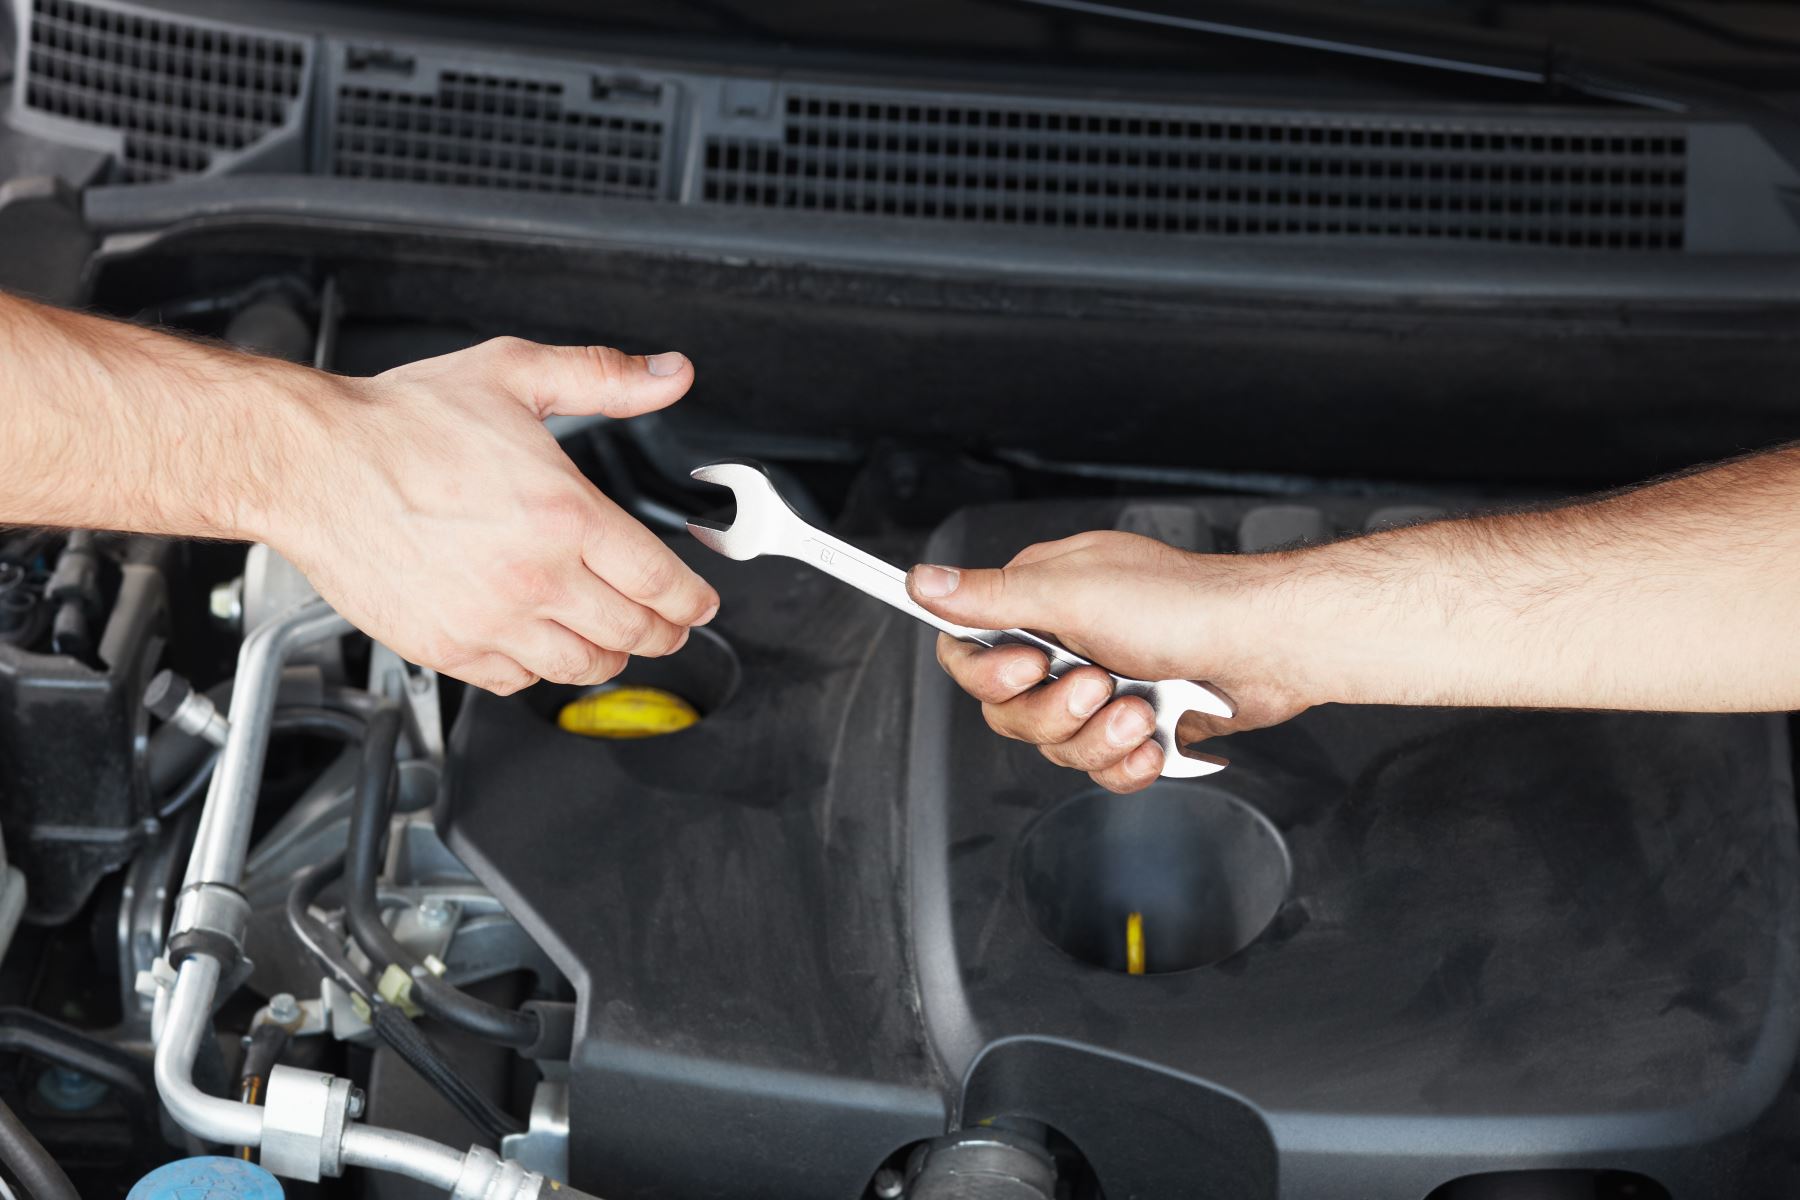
{"x": 111, "y": 426}
{"x": 1680, "y": 595}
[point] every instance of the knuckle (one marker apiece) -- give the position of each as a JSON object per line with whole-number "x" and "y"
{"x": 573, "y": 664}
{"x": 658, "y": 575}
{"x": 507, "y": 351}
{"x": 536, "y": 585}
{"x": 564, "y": 513}
{"x": 508, "y": 684}
{"x": 632, "y": 629}
{"x": 604, "y": 361}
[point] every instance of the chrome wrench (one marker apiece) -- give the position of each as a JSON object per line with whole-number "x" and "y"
{"x": 767, "y": 524}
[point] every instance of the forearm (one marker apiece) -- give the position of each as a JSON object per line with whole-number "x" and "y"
{"x": 1680, "y": 596}
{"x": 111, "y": 426}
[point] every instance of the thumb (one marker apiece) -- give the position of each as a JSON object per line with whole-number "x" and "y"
{"x": 1019, "y": 596}
{"x": 576, "y": 381}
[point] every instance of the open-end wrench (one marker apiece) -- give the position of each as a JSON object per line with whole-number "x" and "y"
{"x": 767, "y": 524}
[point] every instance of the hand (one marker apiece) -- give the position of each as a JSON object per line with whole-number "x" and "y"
{"x": 435, "y": 512}
{"x": 1145, "y": 610}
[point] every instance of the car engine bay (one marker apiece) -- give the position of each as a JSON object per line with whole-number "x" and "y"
{"x": 823, "y": 934}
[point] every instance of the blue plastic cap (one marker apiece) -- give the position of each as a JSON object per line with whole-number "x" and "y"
{"x": 207, "y": 1179}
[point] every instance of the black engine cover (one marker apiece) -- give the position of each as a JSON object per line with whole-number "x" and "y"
{"x": 817, "y": 926}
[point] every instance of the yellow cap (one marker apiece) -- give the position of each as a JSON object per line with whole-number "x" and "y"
{"x": 1134, "y": 944}
{"x": 624, "y": 711}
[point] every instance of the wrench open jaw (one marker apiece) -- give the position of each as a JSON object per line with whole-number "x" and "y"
{"x": 764, "y": 520}
{"x": 766, "y": 524}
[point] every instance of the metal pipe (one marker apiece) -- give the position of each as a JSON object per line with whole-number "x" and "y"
{"x": 223, "y": 839}
{"x": 185, "y": 1022}
{"x": 404, "y": 1154}
{"x": 221, "y": 844}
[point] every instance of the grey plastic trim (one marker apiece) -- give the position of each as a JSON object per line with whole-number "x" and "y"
{"x": 133, "y": 218}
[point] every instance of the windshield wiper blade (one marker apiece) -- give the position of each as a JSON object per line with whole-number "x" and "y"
{"x": 1483, "y": 53}
{"x": 1477, "y": 52}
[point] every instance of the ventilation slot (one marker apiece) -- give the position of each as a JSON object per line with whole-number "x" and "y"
{"x": 1185, "y": 172}
{"x": 498, "y": 132}
{"x": 181, "y": 93}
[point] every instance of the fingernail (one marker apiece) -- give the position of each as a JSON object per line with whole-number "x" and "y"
{"x": 936, "y": 582}
{"x": 1127, "y": 726}
{"x": 1023, "y": 673}
{"x": 1086, "y": 697}
{"x": 1147, "y": 759}
{"x": 711, "y": 612}
{"x": 682, "y": 640}
{"x": 668, "y": 363}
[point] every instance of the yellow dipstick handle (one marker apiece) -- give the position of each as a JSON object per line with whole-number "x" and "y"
{"x": 1134, "y": 944}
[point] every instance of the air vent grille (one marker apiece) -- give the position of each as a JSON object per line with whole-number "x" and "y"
{"x": 495, "y": 131}
{"x": 1184, "y": 172}
{"x": 181, "y": 93}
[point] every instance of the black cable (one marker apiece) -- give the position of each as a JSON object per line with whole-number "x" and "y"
{"x": 411, "y": 1044}
{"x": 369, "y": 816}
{"x": 30, "y": 1163}
{"x": 389, "y": 1023}
{"x": 313, "y": 937}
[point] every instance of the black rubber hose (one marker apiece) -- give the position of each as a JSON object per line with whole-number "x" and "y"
{"x": 369, "y": 816}
{"x": 30, "y": 1163}
{"x": 174, "y": 755}
{"x": 317, "y": 940}
{"x": 321, "y": 722}
{"x": 266, "y": 1045}
{"x": 390, "y": 1024}
{"x": 411, "y": 1044}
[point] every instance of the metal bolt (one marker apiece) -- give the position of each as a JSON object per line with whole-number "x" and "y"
{"x": 284, "y": 1009}
{"x": 888, "y": 1184}
{"x": 357, "y": 1104}
{"x": 227, "y": 601}
{"x": 436, "y": 912}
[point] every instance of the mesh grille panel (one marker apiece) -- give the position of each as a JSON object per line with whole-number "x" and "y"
{"x": 1172, "y": 172}
{"x": 495, "y": 131}
{"x": 181, "y": 93}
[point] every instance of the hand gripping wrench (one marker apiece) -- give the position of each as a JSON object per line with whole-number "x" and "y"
{"x": 766, "y": 524}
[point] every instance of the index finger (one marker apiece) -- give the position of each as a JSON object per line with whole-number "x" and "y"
{"x": 640, "y": 566}
{"x": 992, "y": 675}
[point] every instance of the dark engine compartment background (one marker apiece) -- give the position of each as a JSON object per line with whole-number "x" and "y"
{"x": 803, "y": 932}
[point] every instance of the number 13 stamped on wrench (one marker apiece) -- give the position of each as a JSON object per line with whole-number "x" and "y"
{"x": 766, "y": 524}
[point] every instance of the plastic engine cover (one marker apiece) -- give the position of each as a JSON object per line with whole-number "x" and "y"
{"x": 1386, "y": 949}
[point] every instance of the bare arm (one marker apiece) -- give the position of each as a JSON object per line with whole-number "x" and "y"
{"x": 428, "y": 504}
{"x": 1675, "y": 596}
{"x": 1678, "y": 596}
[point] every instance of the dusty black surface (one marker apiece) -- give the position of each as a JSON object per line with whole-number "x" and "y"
{"x": 1510, "y": 940}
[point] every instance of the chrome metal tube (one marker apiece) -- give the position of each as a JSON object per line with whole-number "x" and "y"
{"x": 223, "y": 838}
{"x": 188, "y": 1020}
{"x": 404, "y": 1154}
{"x": 220, "y": 846}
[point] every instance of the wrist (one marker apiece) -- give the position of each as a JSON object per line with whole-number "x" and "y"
{"x": 292, "y": 433}
{"x": 1306, "y": 621}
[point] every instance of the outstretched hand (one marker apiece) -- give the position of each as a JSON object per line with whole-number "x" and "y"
{"x": 433, "y": 509}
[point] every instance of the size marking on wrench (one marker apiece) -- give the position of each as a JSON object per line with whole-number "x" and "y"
{"x": 767, "y": 524}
